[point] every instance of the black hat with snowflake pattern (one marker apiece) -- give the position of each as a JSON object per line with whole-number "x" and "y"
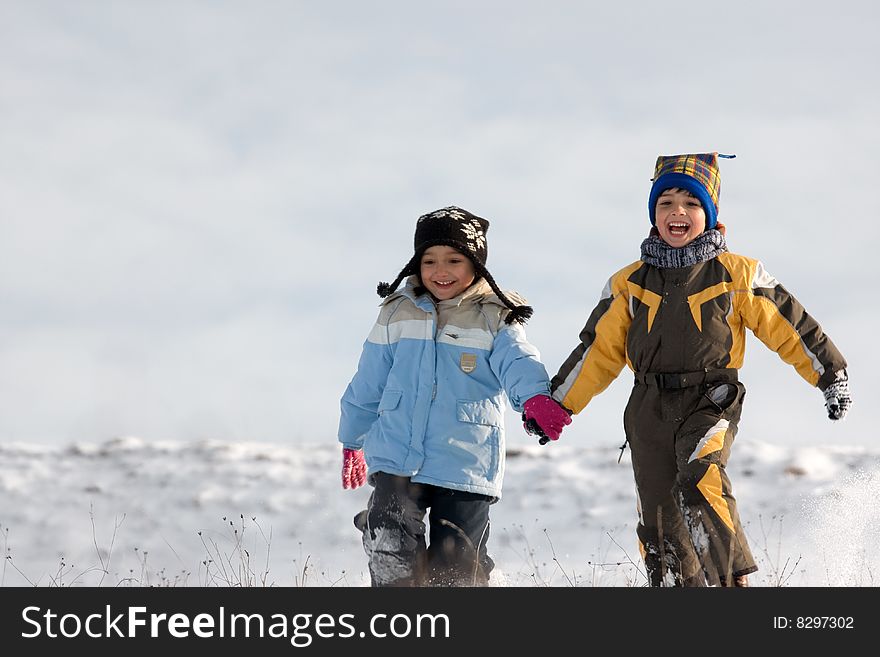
{"x": 464, "y": 232}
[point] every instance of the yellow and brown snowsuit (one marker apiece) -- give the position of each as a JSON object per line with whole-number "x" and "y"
{"x": 682, "y": 331}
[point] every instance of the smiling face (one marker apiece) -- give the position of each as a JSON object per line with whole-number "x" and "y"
{"x": 445, "y": 272}
{"x": 680, "y": 217}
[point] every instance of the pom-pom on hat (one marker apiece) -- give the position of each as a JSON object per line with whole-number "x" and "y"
{"x": 697, "y": 173}
{"x": 465, "y": 232}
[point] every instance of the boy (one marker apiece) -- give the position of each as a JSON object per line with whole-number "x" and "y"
{"x": 677, "y": 317}
{"x": 424, "y": 412}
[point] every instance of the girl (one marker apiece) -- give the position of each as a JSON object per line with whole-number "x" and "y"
{"x": 424, "y": 412}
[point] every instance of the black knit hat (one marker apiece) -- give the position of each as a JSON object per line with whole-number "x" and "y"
{"x": 464, "y": 232}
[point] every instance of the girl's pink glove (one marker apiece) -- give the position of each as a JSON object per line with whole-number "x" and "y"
{"x": 548, "y": 414}
{"x": 354, "y": 468}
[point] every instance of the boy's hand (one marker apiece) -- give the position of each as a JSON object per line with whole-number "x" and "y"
{"x": 837, "y": 399}
{"x": 533, "y": 429}
{"x": 545, "y": 416}
{"x": 354, "y": 468}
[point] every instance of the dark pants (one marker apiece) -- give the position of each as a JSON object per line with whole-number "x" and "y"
{"x": 689, "y": 527}
{"x": 394, "y": 534}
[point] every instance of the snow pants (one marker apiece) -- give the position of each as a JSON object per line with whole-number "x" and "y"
{"x": 680, "y": 434}
{"x": 394, "y": 534}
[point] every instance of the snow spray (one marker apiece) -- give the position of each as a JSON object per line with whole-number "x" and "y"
{"x": 844, "y": 526}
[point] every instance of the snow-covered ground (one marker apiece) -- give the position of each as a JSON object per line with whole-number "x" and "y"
{"x": 215, "y": 513}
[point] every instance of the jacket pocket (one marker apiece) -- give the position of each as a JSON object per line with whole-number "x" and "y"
{"x": 389, "y": 401}
{"x": 726, "y": 398}
{"x": 479, "y": 443}
{"x": 479, "y": 412}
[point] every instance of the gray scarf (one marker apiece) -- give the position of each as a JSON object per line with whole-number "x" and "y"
{"x": 658, "y": 253}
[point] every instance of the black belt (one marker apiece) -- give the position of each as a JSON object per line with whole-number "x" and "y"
{"x": 676, "y": 380}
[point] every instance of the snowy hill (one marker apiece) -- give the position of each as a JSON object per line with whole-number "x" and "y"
{"x": 256, "y": 513}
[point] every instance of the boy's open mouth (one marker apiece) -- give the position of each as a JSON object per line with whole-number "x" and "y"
{"x": 444, "y": 283}
{"x": 678, "y": 228}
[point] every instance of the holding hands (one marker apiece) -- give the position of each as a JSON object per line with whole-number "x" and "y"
{"x": 545, "y": 417}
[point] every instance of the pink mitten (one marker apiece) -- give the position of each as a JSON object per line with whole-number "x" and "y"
{"x": 549, "y": 415}
{"x": 354, "y": 468}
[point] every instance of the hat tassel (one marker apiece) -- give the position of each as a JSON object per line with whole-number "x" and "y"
{"x": 385, "y": 289}
{"x": 520, "y": 314}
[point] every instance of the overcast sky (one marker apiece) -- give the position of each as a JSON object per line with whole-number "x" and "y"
{"x": 198, "y": 198}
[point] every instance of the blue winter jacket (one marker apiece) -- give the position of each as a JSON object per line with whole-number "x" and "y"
{"x": 428, "y": 398}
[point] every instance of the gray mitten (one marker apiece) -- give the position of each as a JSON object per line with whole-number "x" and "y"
{"x": 837, "y": 397}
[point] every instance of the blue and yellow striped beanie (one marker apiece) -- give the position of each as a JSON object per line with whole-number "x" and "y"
{"x": 695, "y": 172}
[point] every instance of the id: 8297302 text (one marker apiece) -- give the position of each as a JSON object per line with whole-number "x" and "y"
{"x": 813, "y": 623}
